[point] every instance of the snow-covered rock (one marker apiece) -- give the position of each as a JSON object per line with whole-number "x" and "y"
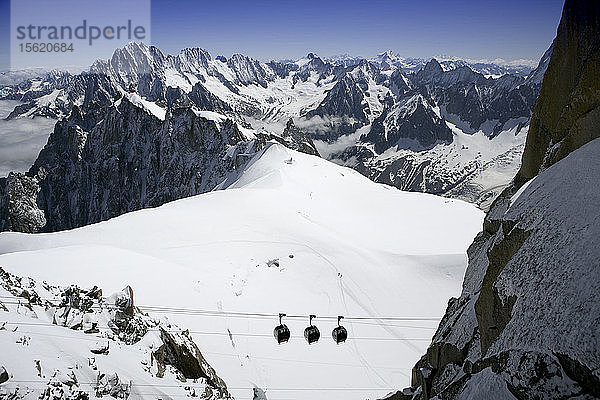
{"x": 128, "y": 353}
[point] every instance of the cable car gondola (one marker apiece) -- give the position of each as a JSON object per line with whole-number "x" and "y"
{"x": 311, "y": 333}
{"x": 339, "y": 334}
{"x": 281, "y": 332}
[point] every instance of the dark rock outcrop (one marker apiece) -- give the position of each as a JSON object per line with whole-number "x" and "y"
{"x": 344, "y": 106}
{"x": 295, "y": 139}
{"x": 127, "y": 160}
{"x": 18, "y": 204}
{"x": 180, "y": 351}
{"x": 3, "y": 375}
{"x": 567, "y": 112}
{"x": 412, "y": 119}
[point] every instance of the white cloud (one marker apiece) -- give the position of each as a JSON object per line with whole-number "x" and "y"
{"x": 21, "y": 140}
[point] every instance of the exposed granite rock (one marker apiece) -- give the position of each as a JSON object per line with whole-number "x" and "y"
{"x": 180, "y": 351}
{"x": 4, "y": 377}
{"x": 104, "y": 161}
{"x": 293, "y": 138}
{"x": 259, "y": 394}
{"x": 18, "y": 204}
{"x": 567, "y": 112}
{"x": 346, "y": 102}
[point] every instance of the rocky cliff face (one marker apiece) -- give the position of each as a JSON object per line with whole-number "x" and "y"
{"x": 525, "y": 325}
{"x": 409, "y": 123}
{"x": 130, "y": 160}
{"x": 567, "y": 112}
{"x": 103, "y": 161}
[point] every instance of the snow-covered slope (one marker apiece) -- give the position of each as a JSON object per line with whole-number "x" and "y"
{"x": 291, "y": 233}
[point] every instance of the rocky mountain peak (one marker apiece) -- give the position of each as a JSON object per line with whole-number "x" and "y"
{"x": 290, "y": 124}
{"x": 433, "y": 67}
{"x": 191, "y": 59}
{"x": 293, "y": 138}
{"x": 537, "y": 75}
{"x": 387, "y": 54}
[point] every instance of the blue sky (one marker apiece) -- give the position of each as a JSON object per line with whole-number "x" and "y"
{"x": 507, "y": 29}
{"x": 4, "y": 34}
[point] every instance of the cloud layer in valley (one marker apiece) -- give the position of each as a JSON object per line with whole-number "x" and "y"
{"x": 21, "y": 140}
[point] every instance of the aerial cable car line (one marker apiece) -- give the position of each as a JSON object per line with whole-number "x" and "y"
{"x": 281, "y": 332}
{"x": 192, "y": 311}
{"x": 151, "y": 385}
{"x": 430, "y": 328}
{"x": 242, "y": 334}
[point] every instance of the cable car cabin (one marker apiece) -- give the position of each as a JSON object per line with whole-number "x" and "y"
{"x": 311, "y": 333}
{"x": 281, "y": 332}
{"x": 339, "y": 334}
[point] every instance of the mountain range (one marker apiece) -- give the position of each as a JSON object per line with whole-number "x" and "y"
{"x": 191, "y": 119}
{"x": 210, "y": 188}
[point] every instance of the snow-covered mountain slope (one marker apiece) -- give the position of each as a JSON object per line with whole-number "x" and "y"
{"x": 290, "y": 233}
{"x": 70, "y": 343}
